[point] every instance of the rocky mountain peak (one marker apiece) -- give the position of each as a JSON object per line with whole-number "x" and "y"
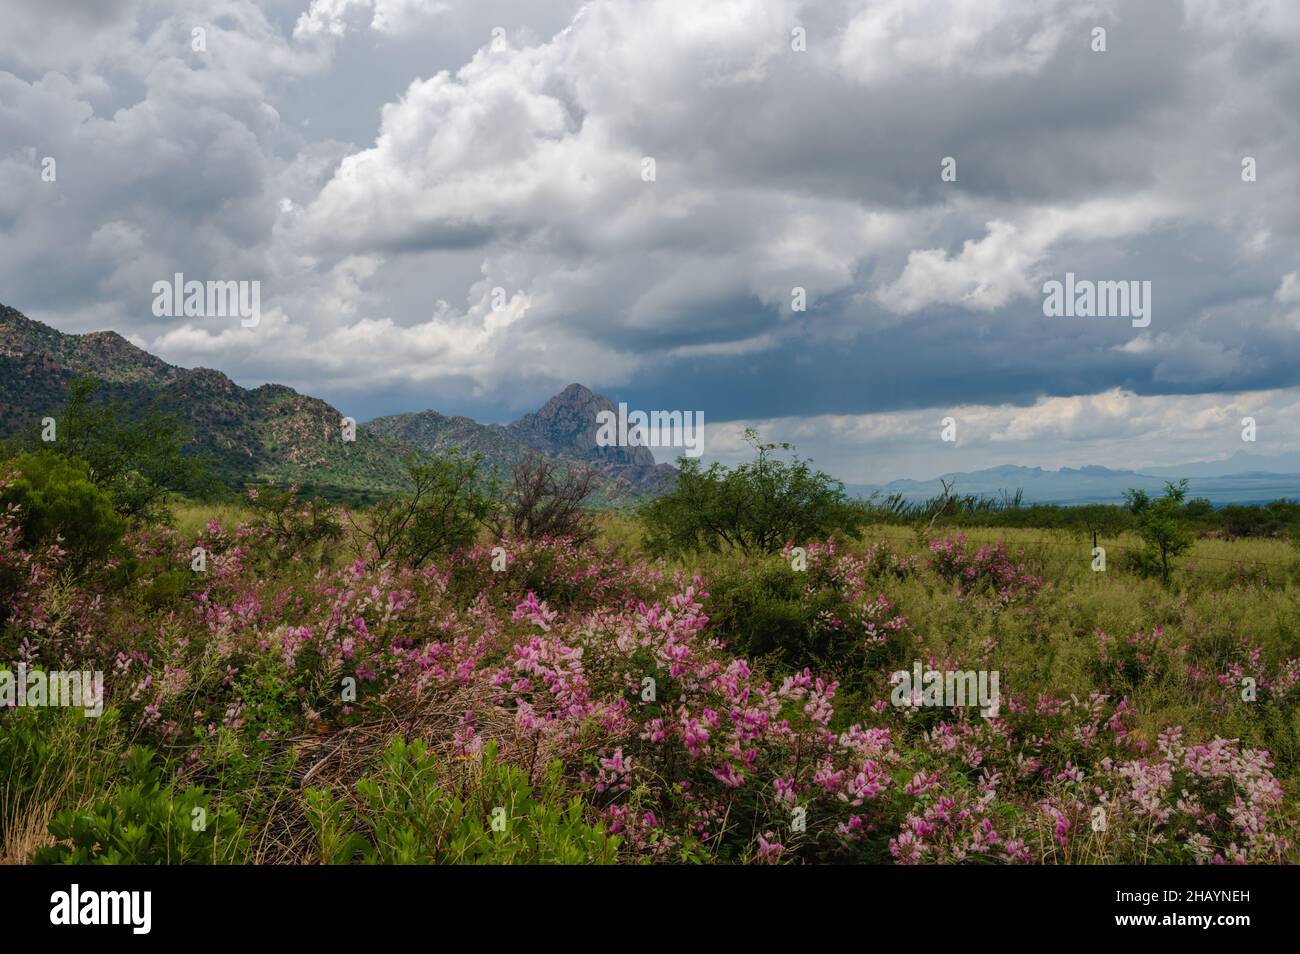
{"x": 565, "y": 426}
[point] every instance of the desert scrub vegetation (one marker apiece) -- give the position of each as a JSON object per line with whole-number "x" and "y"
{"x": 298, "y": 696}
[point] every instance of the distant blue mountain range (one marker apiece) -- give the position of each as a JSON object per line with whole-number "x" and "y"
{"x": 1241, "y": 478}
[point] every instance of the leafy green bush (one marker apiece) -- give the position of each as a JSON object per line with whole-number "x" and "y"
{"x": 445, "y": 505}
{"x": 411, "y": 818}
{"x": 823, "y": 617}
{"x": 137, "y": 457}
{"x": 1160, "y": 526}
{"x": 755, "y": 507}
{"x": 1099, "y": 520}
{"x": 167, "y": 588}
{"x": 768, "y": 610}
{"x": 294, "y": 526}
{"x": 58, "y": 500}
{"x": 1279, "y": 518}
{"x": 144, "y": 822}
{"x": 269, "y": 697}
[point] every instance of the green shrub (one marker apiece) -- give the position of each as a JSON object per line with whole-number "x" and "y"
{"x": 293, "y": 525}
{"x": 1279, "y": 518}
{"x": 446, "y": 503}
{"x": 411, "y": 818}
{"x": 269, "y": 698}
{"x": 167, "y": 588}
{"x": 136, "y": 455}
{"x": 815, "y": 619}
{"x": 58, "y": 500}
{"x": 1098, "y": 520}
{"x": 755, "y": 507}
{"x": 144, "y": 822}
{"x": 770, "y": 611}
{"x": 1160, "y": 526}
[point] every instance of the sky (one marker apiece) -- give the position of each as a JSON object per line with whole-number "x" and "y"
{"x": 447, "y": 205}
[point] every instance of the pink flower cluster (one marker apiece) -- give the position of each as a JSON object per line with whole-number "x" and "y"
{"x": 986, "y": 570}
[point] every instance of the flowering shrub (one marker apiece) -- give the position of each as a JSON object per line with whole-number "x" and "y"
{"x": 1129, "y": 660}
{"x": 988, "y": 570}
{"x": 563, "y": 673}
{"x": 1065, "y": 780}
{"x": 1279, "y": 685}
{"x": 24, "y": 571}
{"x": 555, "y": 570}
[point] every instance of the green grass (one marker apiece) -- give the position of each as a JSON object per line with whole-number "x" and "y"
{"x": 189, "y": 517}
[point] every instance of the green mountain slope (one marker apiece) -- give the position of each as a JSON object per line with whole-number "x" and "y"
{"x": 274, "y": 434}
{"x": 270, "y": 433}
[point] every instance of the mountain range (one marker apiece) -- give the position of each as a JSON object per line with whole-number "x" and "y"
{"x": 564, "y": 428}
{"x": 274, "y": 434}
